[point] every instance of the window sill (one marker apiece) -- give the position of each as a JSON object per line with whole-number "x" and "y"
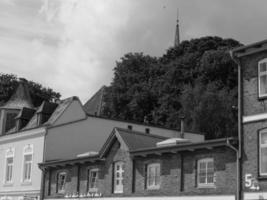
{"x": 262, "y": 177}
{"x": 153, "y": 188}
{"x": 26, "y": 183}
{"x": 8, "y": 184}
{"x": 206, "y": 186}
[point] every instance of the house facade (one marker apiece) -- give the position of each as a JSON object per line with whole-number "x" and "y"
{"x": 139, "y": 165}
{"x": 252, "y": 65}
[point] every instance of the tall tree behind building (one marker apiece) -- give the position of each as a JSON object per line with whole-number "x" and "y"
{"x": 39, "y": 93}
{"x": 196, "y": 78}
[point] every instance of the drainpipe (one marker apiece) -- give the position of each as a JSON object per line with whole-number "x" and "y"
{"x": 182, "y": 126}
{"x": 237, "y": 168}
{"x": 240, "y": 139}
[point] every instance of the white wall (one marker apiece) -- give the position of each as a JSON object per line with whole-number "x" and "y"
{"x": 37, "y": 140}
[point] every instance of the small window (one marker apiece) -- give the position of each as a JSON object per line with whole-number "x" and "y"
{"x": 263, "y": 153}
{"x": 93, "y": 180}
{"x": 147, "y": 130}
{"x": 9, "y": 165}
{"x": 130, "y": 127}
{"x": 27, "y": 163}
{"x": 118, "y": 177}
{"x": 61, "y": 182}
{"x": 262, "y": 78}
{"x": 153, "y": 176}
{"x": 205, "y": 171}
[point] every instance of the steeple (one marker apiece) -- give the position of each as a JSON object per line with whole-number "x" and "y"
{"x": 21, "y": 98}
{"x": 177, "y": 33}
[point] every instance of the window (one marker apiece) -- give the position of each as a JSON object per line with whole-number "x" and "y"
{"x": 262, "y": 78}
{"x": 27, "y": 165}
{"x": 263, "y": 153}
{"x": 9, "y": 165}
{"x": 205, "y": 170}
{"x": 93, "y": 180}
{"x": 153, "y": 176}
{"x": 118, "y": 177}
{"x": 61, "y": 182}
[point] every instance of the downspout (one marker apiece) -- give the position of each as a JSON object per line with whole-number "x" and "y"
{"x": 42, "y": 192}
{"x": 240, "y": 139}
{"x": 237, "y": 168}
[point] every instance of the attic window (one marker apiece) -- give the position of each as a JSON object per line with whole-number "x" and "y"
{"x": 10, "y": 120}
{"x": 147, "y": 130}
{"x": 130, "y": 127}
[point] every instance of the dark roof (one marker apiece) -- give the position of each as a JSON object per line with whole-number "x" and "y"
{"x": 138, "y": 140}
{"x": 209, "y": 144}
{"x": 94, "y": 105}
{"x": 21, "y": 98}
{"x": 47, "y": 107}
{"x": 25, "y": 113}
{"x": 249, "y": 49}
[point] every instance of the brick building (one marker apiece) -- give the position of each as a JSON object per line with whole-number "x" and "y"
{"x": 252, "y": 66}
{"x": 138, "y": 165}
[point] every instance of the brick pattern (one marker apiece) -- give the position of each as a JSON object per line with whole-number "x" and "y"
{"x": 134, "y": 183}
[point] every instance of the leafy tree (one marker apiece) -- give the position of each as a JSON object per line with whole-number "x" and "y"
{"x": 9, "y": 83}
{"x": 197, "y": 78}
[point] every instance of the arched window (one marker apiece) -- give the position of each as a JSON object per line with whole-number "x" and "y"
{"x": 262, "y": 77}
{"x": 9, "y": 165}
{"x": 118, "y": 176}
{"x": 27, "y": 162}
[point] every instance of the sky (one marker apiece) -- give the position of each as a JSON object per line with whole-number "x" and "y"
{"x": 72, "y": 46}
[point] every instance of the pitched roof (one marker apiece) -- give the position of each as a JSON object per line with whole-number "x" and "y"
{"x": 138, "y": 140}
{"x": 94, "y": 105}
{"x": 133, "y": 140}
{"x": 21, "y": 98}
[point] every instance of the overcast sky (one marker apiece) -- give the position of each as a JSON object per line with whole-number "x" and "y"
{"x": 72, "y": 45}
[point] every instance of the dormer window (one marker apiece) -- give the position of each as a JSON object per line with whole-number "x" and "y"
{"x": 10, "y": 121}
{"x": 262, "y": 78}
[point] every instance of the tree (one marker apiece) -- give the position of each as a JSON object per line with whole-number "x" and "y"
{"x": 197, "y": 78}
{"x": 9, "y": 83}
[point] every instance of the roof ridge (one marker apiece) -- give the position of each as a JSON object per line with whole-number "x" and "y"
{"x": 141, "y": 133}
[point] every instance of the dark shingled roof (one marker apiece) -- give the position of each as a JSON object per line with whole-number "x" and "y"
{"x": 138, "y": 140}
{"x": 47, "y": 107}
{"x": 21, "y": 98}
{"x": 94, "y": 105}
{"x": 25, "y": 113}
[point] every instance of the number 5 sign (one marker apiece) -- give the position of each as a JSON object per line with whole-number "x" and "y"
{"x": 248, "y": 180}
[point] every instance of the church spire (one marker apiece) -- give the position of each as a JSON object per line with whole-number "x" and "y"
{"x": 177, "y": 33}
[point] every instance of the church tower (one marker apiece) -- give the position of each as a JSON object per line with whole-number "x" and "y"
{"x": 177, "y": 33}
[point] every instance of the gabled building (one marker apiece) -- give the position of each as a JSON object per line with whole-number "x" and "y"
{"x": 22, "y": 141}
{"x": 146, "y": 166}
{"x": 49, "y": 132}
{"x": 252, "y": 70}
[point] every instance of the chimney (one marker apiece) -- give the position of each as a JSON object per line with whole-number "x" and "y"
{"x": 182, "y": 126}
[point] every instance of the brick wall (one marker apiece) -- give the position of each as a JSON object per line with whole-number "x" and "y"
{"x": 225, "y": 168}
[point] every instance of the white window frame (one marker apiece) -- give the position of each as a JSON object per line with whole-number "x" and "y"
{"x": 260, "y": 74}
{"x": 206, "y": 161}
{"x": 28, "y": 150}
{"x": 119, "y": 188}
{"x": 261, "y": 146}
{"x": 10, "y": 153}
{"x": 61, "y": 191}
{"x": 93, "y": 189}
{"x": 154, "y": 185}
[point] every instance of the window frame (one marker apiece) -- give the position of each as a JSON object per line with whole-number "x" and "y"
{"x": 154, "y": 186}
{"x": 25, "y": 153}
{"x": 10, "y": 153}
{"x": 62, "y": 191}
{"x": 94, "y": 189}
{"x": 206, "y": 184}
{"x": 121, "y": 178}
{"x": 259, "y": 149}
{"x": 259, "y": 76}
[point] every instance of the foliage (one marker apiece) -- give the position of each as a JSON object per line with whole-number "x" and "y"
{"x": 197, "y": 79}
{"x": 9, "y": 83}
